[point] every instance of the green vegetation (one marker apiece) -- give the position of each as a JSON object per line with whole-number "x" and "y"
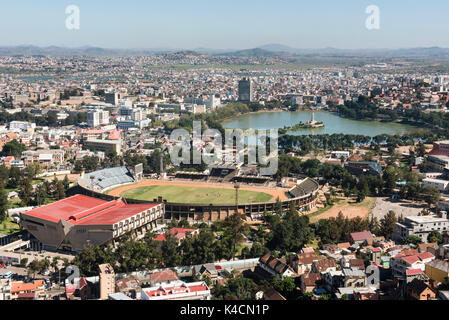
{"x": 193, "y": 194}
{"x": 8, "y": 226}
{"x": 132, "y": 255}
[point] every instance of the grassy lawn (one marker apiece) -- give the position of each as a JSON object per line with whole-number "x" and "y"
{"x": 198, "y": 195}
{"x": 8, "y": 227}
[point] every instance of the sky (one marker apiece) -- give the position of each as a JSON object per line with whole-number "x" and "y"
{"x": 225, "y": 24}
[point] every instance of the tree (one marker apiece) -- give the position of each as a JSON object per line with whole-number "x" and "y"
{"x": 26, "y": 192}
{"x": 235, "y": 229}
{"x": 170, "y": 252}
{"x": 435, "y": 237}
{"x": 60, "y": 190}
{"x": 13, "y": 148}
{"x": 66, "y": 183}
{"x": 291, "y": 233}
{"x": 432, "y": 195}
{"x": 413, "y": 240}
{"x": 285, "y": 285}
{"x": 3, "y": 204}
{"x": 235, "y": 289}
{"x": 388, "y": 225}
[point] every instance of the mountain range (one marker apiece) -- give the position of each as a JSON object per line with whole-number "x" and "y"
{"x": 269, "y": 50}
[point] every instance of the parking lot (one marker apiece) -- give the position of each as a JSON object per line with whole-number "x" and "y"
{"x": 401, "y": 207}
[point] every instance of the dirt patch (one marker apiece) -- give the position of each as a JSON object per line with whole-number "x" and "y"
{"x": 349, "y": 210}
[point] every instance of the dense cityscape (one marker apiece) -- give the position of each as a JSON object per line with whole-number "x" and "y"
{"x": 109, "y": 192}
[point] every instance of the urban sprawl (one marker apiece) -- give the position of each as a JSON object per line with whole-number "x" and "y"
{"x": 92, "y": 207}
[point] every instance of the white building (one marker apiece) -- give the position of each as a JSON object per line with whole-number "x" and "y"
{"x": 98, "y": 117}
{"x": 178, "y": 290}
{"x": 21, "y": 125}
{"x": 421, "y": 226}
{"x": 441, "y": 185}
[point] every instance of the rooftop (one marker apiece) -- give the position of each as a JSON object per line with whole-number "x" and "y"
{"x": 83, "y": 210}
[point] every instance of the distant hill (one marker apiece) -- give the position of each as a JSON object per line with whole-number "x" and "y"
{"x": 256, "y": 52}
{"x": 268, "y": 50}
{"x": 81, "y": 51}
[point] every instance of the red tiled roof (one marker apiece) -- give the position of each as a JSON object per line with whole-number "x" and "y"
{"x": 179, "y": 233}
{"x": 358, "y": 236}
{"x": 411, "y": 272}
{"x": 19, "y": 286}
{"x": 83, "y": 210}
{"x": 411, "y": 259}
{"x": 163, "y": 276}
{"x": 425, "y": 255}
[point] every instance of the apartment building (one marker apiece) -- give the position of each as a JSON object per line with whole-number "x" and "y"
{"x": 421, "y": 226}
{"x": 107, "y": 280}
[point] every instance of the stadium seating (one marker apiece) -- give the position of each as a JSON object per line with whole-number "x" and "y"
{"x": 107, "y": 178}
{"x": 307, "y": 186}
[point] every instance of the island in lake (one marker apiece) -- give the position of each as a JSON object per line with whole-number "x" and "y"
{"x": 307, "y": 125}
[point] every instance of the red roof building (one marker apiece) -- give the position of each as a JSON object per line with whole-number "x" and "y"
{"x": 178, "y": 233}
{"x": 74, "y": 222}
{"x": 360, "y": 236}
{"x": 178, "y": 291}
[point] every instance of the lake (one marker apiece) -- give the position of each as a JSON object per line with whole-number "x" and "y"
{"x": 333, "y": 123}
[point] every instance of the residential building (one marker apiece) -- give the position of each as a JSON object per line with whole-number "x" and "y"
{"x": 438, "y": 270}
{"x": 275, "y": 267}
{"x": 421, "y": 226}
{"x": 107, "y": 146}
{"x": 107, "y": 280}
{"x": 360, "y": 237}
{"x": 97, "y": 117}
{"x": 310, "y": 281}
{"x": 178, "y": 291}
{"x": 420, "y": 290}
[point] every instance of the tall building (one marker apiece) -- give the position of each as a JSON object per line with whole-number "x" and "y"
{"x": 111, "y": 98}
{"x": 245, "y": 90}
{"x": 97, "y": 117}
{"x": 107, "y": 280}
{"x": 212, "y": 102}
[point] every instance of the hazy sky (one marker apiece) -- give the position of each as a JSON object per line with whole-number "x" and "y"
{"x": 230, "y": 24}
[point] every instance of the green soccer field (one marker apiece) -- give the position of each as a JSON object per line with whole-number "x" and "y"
{"x": 192, "y": 194}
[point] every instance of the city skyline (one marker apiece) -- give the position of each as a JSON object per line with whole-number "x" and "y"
{"x": 225, "y": 26}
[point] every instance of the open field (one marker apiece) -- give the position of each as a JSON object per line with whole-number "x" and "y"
{"x": 194, "y": 194}
{"x": 347, "y": 207}
{"x": 400, "y": 207}
{"x": 200, "y": 193}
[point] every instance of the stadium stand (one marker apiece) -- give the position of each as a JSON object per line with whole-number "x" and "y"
{"x": 307, "y": 186}
{"x": 190, "y": 175}
{"x": 107, "y": 178}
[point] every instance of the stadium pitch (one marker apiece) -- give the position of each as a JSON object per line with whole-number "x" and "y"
{"x": 194, "y": 194}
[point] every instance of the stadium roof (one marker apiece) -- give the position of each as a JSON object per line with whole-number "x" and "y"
{"x": 83, "y": 210}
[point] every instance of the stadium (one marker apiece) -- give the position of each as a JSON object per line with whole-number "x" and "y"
{"x": 210, "y": 196}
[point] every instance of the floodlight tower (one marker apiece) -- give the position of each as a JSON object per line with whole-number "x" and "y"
{"x": 237, "y": 187}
